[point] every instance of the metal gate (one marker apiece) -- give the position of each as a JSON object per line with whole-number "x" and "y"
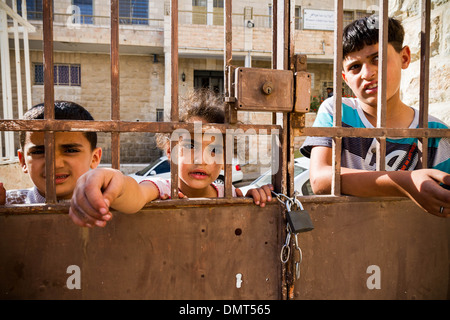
{"x": 227, "y": 248}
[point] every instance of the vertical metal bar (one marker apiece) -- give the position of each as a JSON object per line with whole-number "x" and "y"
{"x": 382, "y": 83}
{"x": 49, "y": 100}
{"x": 26, "y": 51}
{"x": 276, "y": 154}
{"x": 229, "y": 140}
{"x": 274, "y": 33}
{"x": 115, "y": 83}
{"x": 290, "y": 29}
{"x": 174, "y": 169}
{"x": 174, "y": 113}
{"x": 274, "y": 48}
{"x": 18, "y": 64}
{"x": 424, "y": 78}
{"x": 283, "y": 64}
{"x": 174, "y": 56}
{"x": 337, "y": 97}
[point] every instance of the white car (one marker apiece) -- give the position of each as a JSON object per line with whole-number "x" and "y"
{"x": 301, "y": 179}
{"x": 161, "y": 168}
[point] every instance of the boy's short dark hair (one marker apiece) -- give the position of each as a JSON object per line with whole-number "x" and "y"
{"x": 364, "y": 32}
{"x": 64, "y": 110}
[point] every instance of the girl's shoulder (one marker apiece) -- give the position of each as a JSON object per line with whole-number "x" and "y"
{"x": 220, "y": 188}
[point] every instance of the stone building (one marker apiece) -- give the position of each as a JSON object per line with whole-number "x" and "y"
{"x": 82, "y": 61}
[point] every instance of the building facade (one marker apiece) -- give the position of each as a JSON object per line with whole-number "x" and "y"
{"x": 82, "y": 61}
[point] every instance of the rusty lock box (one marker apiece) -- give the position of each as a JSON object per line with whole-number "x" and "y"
{"x": 302, "y": 91}
{"x": 258, "y": 89}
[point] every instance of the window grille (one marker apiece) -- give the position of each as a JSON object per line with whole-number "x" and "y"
{"x": 86, "y": 11}
{"x": 63, "y": 74}
{"x": 133, "y": 12}
{"x": 159, "y": 115}
{"x": 34, "y": 9}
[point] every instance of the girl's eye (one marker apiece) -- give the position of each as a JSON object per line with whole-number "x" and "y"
{"x": 189, "y": 146}
{"x": 217, "y": 150}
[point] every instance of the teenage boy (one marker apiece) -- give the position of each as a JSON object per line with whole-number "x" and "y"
{"x": 404, "y": 175}
{"x": 75, "y": 154}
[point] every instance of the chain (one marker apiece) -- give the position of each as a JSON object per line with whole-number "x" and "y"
{"x": 288, "y": 203}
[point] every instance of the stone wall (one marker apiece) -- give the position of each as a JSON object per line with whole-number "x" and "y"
{"x": 439, "y": 85}
{"x": 12, "y": 177}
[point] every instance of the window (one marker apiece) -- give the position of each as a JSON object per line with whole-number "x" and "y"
{"x": 86, "y": 11}
{"x": 349, "y": 16}
{"x": 199, "y": 12}
{"x": 209, "y": 79}
{"x": 199, "y": 3}
{"x": 298, "y": 17}
{"x": 159, "y": 115}
{"x": 270, "y": 15}
{"x": 218, "y": 12}
{"x": 133, "y": 12}
{"x": 63, "y": 74}
{"x": 34, "y": 9}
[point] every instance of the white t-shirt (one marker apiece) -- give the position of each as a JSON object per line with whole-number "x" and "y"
{"x": 163, "y": 186}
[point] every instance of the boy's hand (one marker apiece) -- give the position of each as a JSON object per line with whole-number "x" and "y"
{"x": 94, "y": 192}
{"x": 424, "y": 189}
{"x": 2, "y": 194}
{"x": 260, "y": 195}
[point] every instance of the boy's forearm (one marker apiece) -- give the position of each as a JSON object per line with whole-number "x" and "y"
{"x": 362, "y": 183}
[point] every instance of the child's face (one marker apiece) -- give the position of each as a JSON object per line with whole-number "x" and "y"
{"x": 360, "y": 72}
{"x": 73, "y": 157}
{"x": 199, "y": 163}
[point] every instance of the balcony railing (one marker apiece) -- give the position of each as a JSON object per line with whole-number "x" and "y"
{"x": 185, "y": 17}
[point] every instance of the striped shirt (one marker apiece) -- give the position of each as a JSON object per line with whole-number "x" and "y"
{"x": 360, "y": 153}
{"x": 26, "y": 196}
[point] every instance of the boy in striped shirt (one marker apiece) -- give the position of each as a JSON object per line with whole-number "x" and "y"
{"x": 404, "y": 175}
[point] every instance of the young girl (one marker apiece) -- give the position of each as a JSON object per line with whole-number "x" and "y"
{"x": 198, "y": 168}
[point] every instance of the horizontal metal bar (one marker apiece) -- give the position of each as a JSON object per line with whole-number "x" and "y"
{"x": 121, "y": 126}
{"x": 168, "y": 127}
{"x": 22, "y": 209}
{"x": 372, "y": 132}
{"x": 157, "y": 204}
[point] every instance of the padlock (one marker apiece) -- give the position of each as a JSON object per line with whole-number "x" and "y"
{"x": 299, "y": 221}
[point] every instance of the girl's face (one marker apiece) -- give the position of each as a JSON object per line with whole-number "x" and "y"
{"x": 200, "y": 159}
{"x": 200, "y": 162}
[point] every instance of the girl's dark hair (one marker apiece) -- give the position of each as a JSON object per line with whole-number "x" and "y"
{"x": 199, "y": 103}
{"x": 364, "y": 32}
{"x": 64, "y": 110}
{"x": 204, "y": 104}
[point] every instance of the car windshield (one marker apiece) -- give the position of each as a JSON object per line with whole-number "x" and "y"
{"x": 267, "y": 177}
{"x": 144, "y": 171}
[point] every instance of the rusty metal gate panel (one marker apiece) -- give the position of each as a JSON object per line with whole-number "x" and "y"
{"x": 166, "y": 253}
{"x": 410, "y": 247}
